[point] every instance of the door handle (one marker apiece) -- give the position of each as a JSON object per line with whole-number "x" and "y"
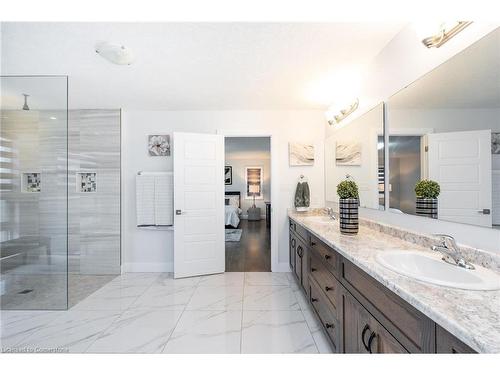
{"x": 178, "y": 212}
{"x": 485, "y": 211}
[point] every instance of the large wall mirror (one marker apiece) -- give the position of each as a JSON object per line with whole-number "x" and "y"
{"x": 356, "y": 149}
{"x": 445, "y": 127}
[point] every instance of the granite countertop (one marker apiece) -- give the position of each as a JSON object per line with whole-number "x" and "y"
{"x": 472, "y": 316}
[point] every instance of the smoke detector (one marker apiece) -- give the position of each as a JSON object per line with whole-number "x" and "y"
{"x": 115, "y": 53}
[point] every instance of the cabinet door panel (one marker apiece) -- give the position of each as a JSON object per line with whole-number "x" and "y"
{"x": 363, "y": 333}
{"x": 299, "y": 255}
{"x": 292, "y": 249}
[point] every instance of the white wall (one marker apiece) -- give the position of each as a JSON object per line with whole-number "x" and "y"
{"x": 401, "y": 62}
{"x": 150, "y": 250}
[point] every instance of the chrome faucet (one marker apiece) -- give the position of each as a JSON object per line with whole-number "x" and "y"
{"x": 449, "y": 248}
{"x": 331, "y": 213}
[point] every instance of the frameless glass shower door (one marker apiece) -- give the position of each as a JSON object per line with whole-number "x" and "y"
{"x": 34, "y": 192}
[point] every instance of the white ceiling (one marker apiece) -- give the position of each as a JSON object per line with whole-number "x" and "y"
{"x": 192, "y": 66}
{"x": 470, "y": 79}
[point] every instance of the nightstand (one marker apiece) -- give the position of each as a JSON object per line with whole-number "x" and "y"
{"x": 253, "y": 214}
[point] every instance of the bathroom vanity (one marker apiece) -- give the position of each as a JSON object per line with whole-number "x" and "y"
{"x": 366, "y": 308}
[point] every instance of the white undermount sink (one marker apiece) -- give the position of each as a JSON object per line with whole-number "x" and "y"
{"x": 423, "y": 267}
{"x": 321, "y": 219}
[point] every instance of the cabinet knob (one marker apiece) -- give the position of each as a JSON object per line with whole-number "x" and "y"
{"x": 327, "y": 288}
{"x": 313, "y": 269}
{"x": 313, "y": 243}
{"x": 328, "y": 326}
{"x": 327, "y": 256}
{"x": 314, "y": 299}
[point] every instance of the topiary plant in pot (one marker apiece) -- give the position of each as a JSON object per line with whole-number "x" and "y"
{"x": 348, "y": 193}
{"x": 427, "y": 193}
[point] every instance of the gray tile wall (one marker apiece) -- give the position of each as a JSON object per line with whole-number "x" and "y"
{"x": 36, "y": 141}
{"x": 94, "y": 218}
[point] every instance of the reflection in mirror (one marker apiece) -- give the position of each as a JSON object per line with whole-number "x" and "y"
{"x": 357, "y": 150}
{"x": 445, "y": 127}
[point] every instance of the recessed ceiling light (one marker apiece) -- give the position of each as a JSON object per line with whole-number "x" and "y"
{"x": 115, "y": 53}
{"x": 53, "y": 118}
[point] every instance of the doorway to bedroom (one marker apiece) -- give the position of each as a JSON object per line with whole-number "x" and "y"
{"x": 247, "y": 178}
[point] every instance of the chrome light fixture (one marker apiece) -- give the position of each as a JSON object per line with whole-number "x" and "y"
{"x": 334, "y": 116}
{"x": 445, "y": 31}
{"x": 115, "y": 53}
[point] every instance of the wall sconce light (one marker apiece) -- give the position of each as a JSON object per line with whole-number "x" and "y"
{"x": 444, "y": 32}
{"x": 335, "y": 116}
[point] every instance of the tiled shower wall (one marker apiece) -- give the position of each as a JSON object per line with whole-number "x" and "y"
{"x": 94, "y": 216}
{"x": 34, "y": 141}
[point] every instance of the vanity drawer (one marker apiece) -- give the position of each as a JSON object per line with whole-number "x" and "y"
{"x": 300, "y": 231}
{"x": 325, "y": 280}
{"x": 410, "y": 327}
{"x": 327, "y": 314}
{"x": 329, "y": 256}
{"x": 449, "y": 344}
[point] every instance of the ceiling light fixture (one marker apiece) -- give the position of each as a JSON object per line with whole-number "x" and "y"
{"x": 440, "y": 32}
{"x": 115, "y": 53}
{"x": 334, "y": 116}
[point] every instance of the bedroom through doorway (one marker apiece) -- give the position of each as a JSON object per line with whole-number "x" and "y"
{"x": 247, "y": 178}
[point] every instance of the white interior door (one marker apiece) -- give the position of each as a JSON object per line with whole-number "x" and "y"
{"x": 199, "y": 246}
{"x": 461, "y": 163}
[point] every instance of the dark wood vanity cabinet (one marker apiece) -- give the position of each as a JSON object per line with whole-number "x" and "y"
{"x": 299, "y": 255}
{"x": 447, "y": 343}
{"x": 358, "y": 313}
{"x": 364, "y": 334}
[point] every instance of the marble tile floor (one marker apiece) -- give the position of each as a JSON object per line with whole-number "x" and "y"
{"x": 234, "y": 312}
{"x": 53, "y": 291}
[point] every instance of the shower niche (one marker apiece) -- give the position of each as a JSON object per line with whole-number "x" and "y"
{"x": 86, "y": 182}
{"x": 31, "y": 182}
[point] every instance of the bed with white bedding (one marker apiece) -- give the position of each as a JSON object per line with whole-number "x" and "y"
{"x": 232, "y": 209}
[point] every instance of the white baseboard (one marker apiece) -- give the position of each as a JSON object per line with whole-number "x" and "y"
{"x": 148, "y": 267}
{"x": 282, "y": 267}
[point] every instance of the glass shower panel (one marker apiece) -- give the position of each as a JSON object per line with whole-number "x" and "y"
{"x": 34, "y": 192}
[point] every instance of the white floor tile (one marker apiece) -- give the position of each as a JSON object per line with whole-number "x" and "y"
{"x": 322, "y": 342}
{"x": 206, "y": 332}
{"x": 136, "y": 278}
{"x": 269, "y": 298}
{"x": 137, "y": 331}
{"x": 19, "y": 325}
{"x": 217, "y": 298}
{"x": 311, "y": 319}
{"x": 165, "y": 297}
{"x": 266, "y": 278}
{"x": 302, "y": 300}
{"x": 223, "y": 279}
{"x": 276, "y": 332}
{"x": 111, "y": 297}
{"x": 167, "y": 279}
{"x": 73, "y": 331}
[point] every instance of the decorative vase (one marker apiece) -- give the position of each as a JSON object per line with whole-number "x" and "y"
{"x": 348, "y": 215}
{"x": 427, "y": 207}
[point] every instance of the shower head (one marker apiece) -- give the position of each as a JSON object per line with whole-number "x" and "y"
{"x": 25, "y": 106}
